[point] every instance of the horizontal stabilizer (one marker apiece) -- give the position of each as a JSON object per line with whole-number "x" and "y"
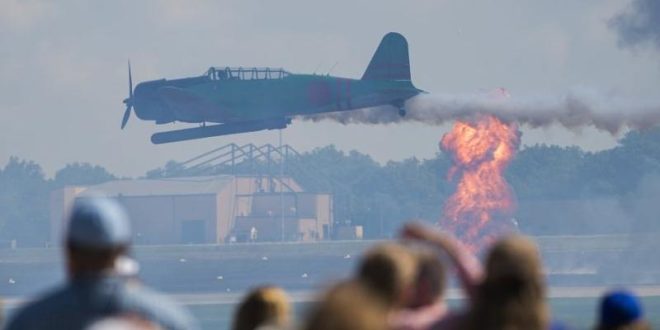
{"x": 390, "y": 62}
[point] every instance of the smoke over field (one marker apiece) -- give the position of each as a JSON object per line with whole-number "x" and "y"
{"x": 638, "y": 24}
{"x": 573, "y": 110}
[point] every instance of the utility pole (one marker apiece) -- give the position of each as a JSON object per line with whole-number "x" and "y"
{"x": 281, "y": 185}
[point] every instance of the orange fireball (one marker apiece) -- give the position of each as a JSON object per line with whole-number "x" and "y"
{"x": 483, "y": 202}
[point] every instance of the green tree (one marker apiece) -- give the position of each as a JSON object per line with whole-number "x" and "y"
{"x": 24, "y": 201}
{"x": 619, "y": 171}
{"x": 81, "y": 174}
{"x": 547, "y": 172}
{"x": 171, "y": 168}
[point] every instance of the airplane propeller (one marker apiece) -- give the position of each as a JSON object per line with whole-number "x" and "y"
{"x": 129, "y": 100}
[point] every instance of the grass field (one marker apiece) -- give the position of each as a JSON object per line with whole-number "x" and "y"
{"x": 578, "y": 313}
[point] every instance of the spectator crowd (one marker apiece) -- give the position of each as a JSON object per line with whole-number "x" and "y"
{"x": 397, "y": 285}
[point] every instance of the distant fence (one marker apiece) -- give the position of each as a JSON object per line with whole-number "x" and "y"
{"x": 7, "y": 244}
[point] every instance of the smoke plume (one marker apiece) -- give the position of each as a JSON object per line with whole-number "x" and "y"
{"x": 575, "y": 110}
{"x": 639, "y": 24}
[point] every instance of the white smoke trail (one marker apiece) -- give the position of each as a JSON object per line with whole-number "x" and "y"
{"x": 575, "y": 110}
{"x": 639, "y": 24}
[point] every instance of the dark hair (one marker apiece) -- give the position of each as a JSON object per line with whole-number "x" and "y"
{"x": 431, "y": 278}
{"x": 388, "y": 269}
{"x": 512, "y": 296}
{"x": 266, "y": 305}
{"x": 92, "y": 260}
{"x": 348, "y": 306}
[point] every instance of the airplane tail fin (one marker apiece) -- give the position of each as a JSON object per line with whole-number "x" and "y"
{"x": 390, "y": 62}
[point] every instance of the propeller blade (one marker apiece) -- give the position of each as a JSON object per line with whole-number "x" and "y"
{"x": 130, "y": 81}
{"x": 129, "y": 100}
{"x": 127, "y": 114}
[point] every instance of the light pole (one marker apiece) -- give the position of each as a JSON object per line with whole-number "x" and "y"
{"x": 281, "y": 185}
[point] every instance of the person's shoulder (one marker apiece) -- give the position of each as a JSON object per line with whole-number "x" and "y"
{"x": 157, "y": 307}
{"x": 48, "y": 303}
{"x": 451, "y": 320}
{"x": 558, "y": 325}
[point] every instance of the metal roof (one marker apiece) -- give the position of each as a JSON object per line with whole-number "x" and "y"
{"x": 162, "y": 187}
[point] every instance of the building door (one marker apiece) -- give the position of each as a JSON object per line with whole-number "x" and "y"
{"x": 192, "y": 232}
{"x": 326, "y": 232}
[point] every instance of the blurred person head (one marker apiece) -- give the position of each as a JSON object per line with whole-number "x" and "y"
{"x": 512, "y": 295}
{"x": 348, "y": 306}
{"x": 97, "y": 235}
{"x": 389, "y": 269}
{"x": 621, "y": 310}
{"x": 430, "y": 279}
{"x": 264, "y": 306}
{"x": 95, "y": 242}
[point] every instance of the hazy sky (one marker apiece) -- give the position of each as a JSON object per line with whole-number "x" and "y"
{"x": 63, "y": 66}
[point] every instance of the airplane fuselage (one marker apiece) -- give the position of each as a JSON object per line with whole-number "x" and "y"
{"x": 203, "y": 99}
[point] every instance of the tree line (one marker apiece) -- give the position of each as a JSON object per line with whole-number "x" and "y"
{"x": 25, "y": 197}
{"x": 381, "y": 196}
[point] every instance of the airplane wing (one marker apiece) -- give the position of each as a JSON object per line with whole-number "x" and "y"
{"x": 218, "y": 130}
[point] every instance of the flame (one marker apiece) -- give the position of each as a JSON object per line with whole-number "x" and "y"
{"x": 483, "y": 203}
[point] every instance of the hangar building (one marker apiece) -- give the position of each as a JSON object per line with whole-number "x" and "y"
{"x": 209, "y": 209}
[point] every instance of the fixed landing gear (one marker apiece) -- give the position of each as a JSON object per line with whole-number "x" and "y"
{"x": 401, "y": 106}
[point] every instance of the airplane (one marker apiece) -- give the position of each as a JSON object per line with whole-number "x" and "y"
{"x": 239, "y": 100}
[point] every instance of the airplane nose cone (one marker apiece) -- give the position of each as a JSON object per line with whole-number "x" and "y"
{"x": 145, "y": 101}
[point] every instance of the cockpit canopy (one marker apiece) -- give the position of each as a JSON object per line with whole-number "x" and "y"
{"x": 240, "y": 73}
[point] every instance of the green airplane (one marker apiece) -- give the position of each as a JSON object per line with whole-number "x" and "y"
{"x": 238, "y": 100}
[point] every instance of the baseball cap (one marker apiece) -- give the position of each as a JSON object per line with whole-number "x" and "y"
{"x": 98, "y": 222}
{"x": 620, "y": 307}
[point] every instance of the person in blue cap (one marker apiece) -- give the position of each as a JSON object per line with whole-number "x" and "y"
{"x": 98, "y": 236}
{"x": 621, "y": 310}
